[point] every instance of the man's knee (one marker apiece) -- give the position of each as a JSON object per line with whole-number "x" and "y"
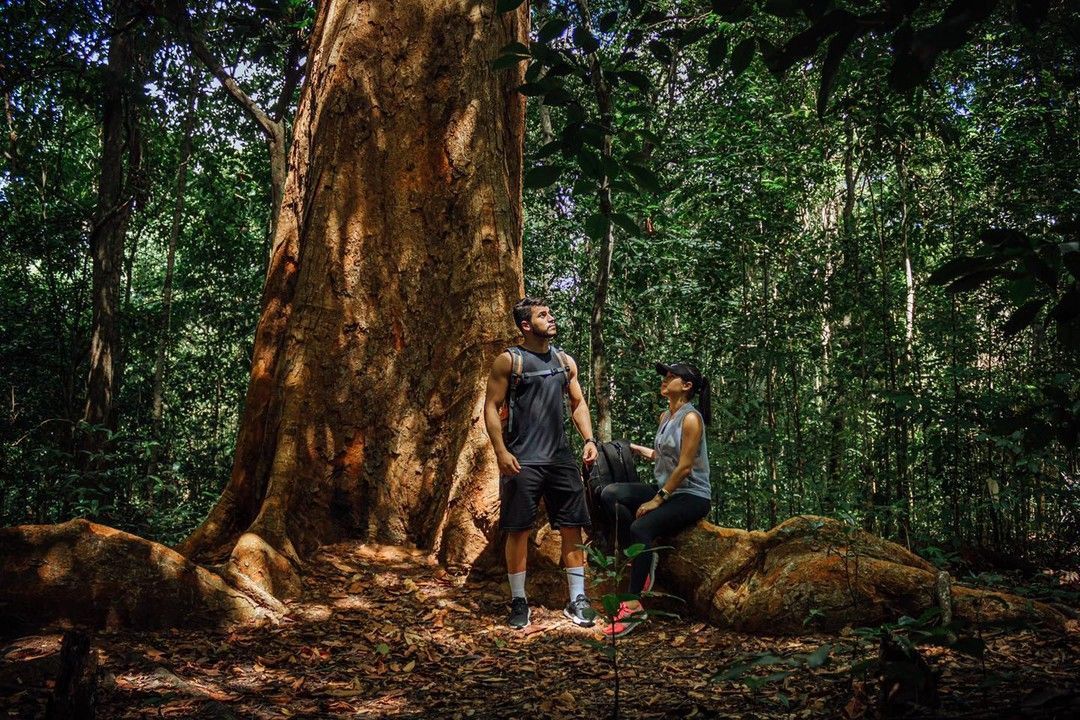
{"x": 517, "y": 539}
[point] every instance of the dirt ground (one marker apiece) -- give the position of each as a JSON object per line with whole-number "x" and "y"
{"x": 384, "y": 633}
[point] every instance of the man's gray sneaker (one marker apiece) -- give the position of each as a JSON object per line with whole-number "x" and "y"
{"x": 580, "y": 611}
{"x": 519, "y": 613}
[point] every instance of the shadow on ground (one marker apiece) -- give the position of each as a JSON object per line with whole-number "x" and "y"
{"x": 383, "y": 632}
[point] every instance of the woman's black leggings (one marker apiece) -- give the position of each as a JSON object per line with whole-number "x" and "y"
{"x": 621, "y": 501}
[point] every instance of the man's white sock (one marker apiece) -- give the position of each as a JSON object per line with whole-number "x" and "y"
{"x": 517, "y": 584}
{"x": 575, "y": 578}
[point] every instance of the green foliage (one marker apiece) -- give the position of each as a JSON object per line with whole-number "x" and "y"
{"x": 754, "y": 256}
{"x": 927, "y": 629}
{"x": 47, "y": 202}
{"x": 755, "y": 672}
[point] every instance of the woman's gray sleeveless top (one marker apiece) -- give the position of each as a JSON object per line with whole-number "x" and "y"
{"x": 668, "y": 446}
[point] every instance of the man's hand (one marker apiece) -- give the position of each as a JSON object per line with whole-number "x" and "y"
{"x": 648, "y": 507}
{"x": 508, "y": 464}
{"x": 589, "y": 456}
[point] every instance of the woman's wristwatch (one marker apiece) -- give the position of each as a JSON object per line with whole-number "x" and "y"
{"x": 662, "y": 494}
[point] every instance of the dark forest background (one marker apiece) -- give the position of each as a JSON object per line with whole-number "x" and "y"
{"x": 880, "y": 278}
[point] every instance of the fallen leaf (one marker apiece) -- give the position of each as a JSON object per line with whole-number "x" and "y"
{"x": 344, "y": 692}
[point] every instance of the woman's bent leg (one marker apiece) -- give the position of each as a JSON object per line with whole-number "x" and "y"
{"x": 674, "y": 514}
{"x": 621, "y": 501}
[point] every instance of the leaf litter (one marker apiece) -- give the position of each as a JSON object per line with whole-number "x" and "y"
{"x": 382, "y": 632}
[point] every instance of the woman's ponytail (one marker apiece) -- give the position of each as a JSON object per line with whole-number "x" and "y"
{"x": 704, "y": 404}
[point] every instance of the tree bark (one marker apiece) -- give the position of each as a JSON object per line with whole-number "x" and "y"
{"x": 767, "y": 582}
{"x": 396, "y": 263}
{"x": 120, "y": 160}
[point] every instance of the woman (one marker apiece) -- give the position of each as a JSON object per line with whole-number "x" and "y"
{"x": 682, "y": 494}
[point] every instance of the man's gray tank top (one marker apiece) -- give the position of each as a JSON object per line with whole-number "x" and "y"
{"x": 668, "y": 445}
{"x": 538, "y": 435}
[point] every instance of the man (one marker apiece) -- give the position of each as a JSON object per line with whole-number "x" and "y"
{"x": 528, "y": 383}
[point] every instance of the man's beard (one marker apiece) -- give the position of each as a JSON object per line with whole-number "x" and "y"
{"x": 551, "y": 332}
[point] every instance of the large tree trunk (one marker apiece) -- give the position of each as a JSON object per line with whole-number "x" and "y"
{"x": 396, "y": 261}
{"x": 395, "y": 265}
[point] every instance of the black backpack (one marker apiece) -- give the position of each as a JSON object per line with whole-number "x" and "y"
{"x": 614, "y": 463}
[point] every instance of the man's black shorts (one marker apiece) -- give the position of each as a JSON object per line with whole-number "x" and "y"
{"x": 559, "y": 485}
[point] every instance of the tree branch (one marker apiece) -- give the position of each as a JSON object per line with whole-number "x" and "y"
{"x": 176, "y": 13}
{"x": 292, "y": 75}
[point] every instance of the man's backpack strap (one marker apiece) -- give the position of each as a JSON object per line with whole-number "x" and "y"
{"x": 517, "y": 361}
{"x": 565, "y": 367}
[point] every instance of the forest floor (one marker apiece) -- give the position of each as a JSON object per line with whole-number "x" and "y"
{"x": 381, "y": 632}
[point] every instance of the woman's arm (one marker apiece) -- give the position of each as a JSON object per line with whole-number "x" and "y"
{"x": 691, "y": 441}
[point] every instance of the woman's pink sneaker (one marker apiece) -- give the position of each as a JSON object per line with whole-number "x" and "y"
{"x": 624, "y": 621}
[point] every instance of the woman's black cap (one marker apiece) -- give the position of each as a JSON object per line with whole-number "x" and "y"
{"x": 684, "y": 370}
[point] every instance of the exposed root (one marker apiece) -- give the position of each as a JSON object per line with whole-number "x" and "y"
{"x": 820, "y": 572}
{"x": 81, "y": 573}
{"x": 807, "y": 572}
{"x": 272, "y": 571}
